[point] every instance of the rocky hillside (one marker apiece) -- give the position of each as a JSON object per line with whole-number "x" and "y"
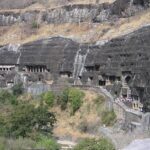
{"x": 93, "y": 54}
{"x": 84, "y": 22}
{"x": 126, "y": 56}
{"x": 16, "y": 4}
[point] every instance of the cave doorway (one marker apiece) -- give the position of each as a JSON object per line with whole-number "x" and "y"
{"x": 40, "y": 77}
{"x": 102, "y": 83}
{"x": 128, "y": 79}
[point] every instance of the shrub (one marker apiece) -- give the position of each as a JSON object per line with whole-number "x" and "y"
{"x": 2, "y": 144}
{"x": 49, "y": 98}
{"x": 47, "y": 143}
{"x": 17, "y": 89}
{"x": 108, "y": 117}
{"x": 26, "y": 119}
{"x": 75, "y": 99}
{"x": 16, "y": 144}
{"x": 64, "y": 99}
{"x": 94, "y": 144}
{"x": 34, "y": 25}
{"x": 7, "y": 97}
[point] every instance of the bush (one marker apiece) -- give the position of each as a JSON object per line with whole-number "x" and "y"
{"x": 16, "y": 144}
{"x": 108, "y": 118}
{"x": 94, "y": 144}
{"x": 17, "y": 89}
{"x": 47, "y": 143}
{"x": 35, "y": 25}
{"x": 75, "y": 99}
{"x": 49, "y": 98}
{"x": 26, "y": 119}
{"x": 7, "y": 98}
{"x": 64, "y": 98}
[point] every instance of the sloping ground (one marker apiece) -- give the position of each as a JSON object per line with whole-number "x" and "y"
{"x": 84, "y": 32}
{"x": 87, "y": 118}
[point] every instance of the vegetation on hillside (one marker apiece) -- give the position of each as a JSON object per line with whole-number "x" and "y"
{"x": 108, "y": 117}
{"x": 27, "y": 120}
{"x": 48, "y": 98}
{"x": 24, "y": 124}
{"x": 95, "y": 144}
{"x": 72, "y": 98}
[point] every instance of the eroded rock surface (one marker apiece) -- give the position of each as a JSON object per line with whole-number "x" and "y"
{"x": 77, "y": 13}
{"x": 121, "y": 62}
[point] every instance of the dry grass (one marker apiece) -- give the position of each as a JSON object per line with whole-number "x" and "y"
{"x": 84, "y": 32}
{"x": 22, "y": 34}
{"x": 68, "y": 126}
{"x": 125, "y": 26}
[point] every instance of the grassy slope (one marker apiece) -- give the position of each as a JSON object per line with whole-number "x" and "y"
{"x": 84, "y": 32}
{"x": 89, "y": 114}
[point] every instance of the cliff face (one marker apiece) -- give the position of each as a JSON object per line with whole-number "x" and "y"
{"x": 125, "y": 58}
{"x": 120, "y": 64}
{"x": 77, "y": 13}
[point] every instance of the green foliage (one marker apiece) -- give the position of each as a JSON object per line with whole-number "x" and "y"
{"x": 49, "y": 98}
{"x": 7, "y": 97}
{"x": 16, "y": 144}
{"x": 75, "y": 99}
{"x": 94, "y": 144}
{"x": 64, "y": 99}
{"x": 35, "y": 25}
{"x": 47, "y": 143}
{"x": 108, "y": 118}
{"x": 26, "y": 119}
{"x": 17, "y": 89}
{"x": 2, "y": 144}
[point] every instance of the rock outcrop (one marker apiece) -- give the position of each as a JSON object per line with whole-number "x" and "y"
{"x": 123, "y": 61}
{"x": 76, "y": 13}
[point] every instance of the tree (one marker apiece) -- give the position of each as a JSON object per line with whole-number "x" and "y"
{"x": 49, "y": 98}
{"x": 7, "y": 98}
{"x": 17, "y": 89}
{"x": 26, "y": 119}
{"x": 64, "y": 99}
{"x": 94, "y": 144}
{"x": 75, "y": 98}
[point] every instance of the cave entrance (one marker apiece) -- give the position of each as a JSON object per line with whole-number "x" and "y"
{"x": 102, "y": 83}
{"x": 112, "y": 79}
{"x": 40, "y": 77}
{"x": 65, "y": 74}
{"x": 128, "y": 79}
{"x": 36, "y": 68}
